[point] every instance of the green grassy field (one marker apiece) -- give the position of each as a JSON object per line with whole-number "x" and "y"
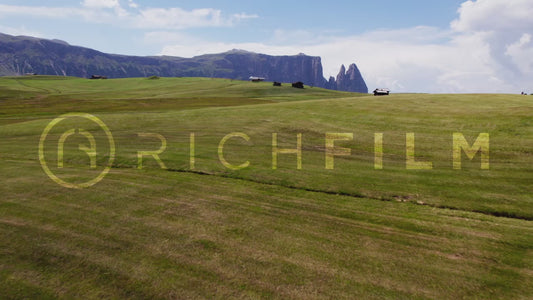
{"x": 202, "y": 230}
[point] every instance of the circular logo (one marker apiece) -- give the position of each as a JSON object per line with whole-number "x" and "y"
{"x": 91, "y": 151}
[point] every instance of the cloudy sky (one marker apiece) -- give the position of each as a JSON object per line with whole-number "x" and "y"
{"x": 408, "y": 46}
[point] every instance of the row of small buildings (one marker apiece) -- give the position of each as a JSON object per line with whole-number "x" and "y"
{"x": 300, "y": 85}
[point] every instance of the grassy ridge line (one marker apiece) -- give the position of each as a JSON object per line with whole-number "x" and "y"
{"x": 501, "y": 214}
{"x": 56, "y": 95}
{"x": 184, "y": 87}
{"x": 141, "y": 88}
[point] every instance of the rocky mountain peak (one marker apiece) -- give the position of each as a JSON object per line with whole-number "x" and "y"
{"x": 342, "y": 70}
{"x": 350, "y": 80}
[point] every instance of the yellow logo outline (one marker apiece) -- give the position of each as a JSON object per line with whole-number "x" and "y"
{"x": 54, "y": 177}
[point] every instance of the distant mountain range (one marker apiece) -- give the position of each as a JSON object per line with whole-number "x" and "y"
{"x": 21, "y": 55}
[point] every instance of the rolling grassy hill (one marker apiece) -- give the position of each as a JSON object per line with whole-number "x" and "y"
{"x": 198, "y": 229}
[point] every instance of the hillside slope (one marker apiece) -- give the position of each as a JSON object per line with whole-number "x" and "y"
{"x": 193, "y": 228}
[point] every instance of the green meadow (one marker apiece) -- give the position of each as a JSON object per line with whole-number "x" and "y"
{"x": 198, "y": 203}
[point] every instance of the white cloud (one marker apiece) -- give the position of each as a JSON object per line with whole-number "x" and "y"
{"x": 101, "y": 3}
{"x": 508, "y": 27}
{"x": 178, "y": 18}
{"x": 111, "y": 12}
{"x": 92, "y": 15}
{"x": 187, "y": 46}
{"x": 132, "y": 4}
{"x": 244, "y": 16}
{"x": 494, "y": 15}
{"x": 521, "y": 54}
{"x": 37, "y": 11}
{"x": 119, "y": 11}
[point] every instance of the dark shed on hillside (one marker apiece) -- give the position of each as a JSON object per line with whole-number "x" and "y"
{"x": 298, "y": 85}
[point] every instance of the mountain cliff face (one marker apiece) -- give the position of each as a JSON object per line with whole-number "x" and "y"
{"x": 238, "y": 64}
{"x": 21, "y": 55}
{"x": 350, "y": 80}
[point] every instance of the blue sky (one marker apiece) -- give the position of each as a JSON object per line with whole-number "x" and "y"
{"x": 324, "y": 17}
{"x": 408, "y": 46}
